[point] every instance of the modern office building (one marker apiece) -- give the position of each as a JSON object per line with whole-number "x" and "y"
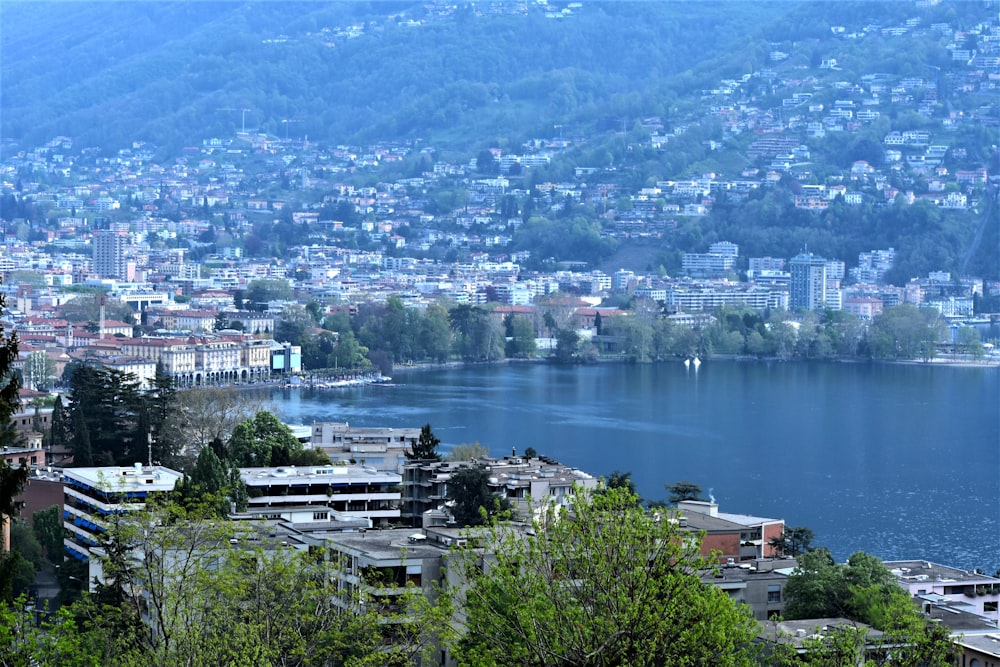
{"x": 808, "y": 282}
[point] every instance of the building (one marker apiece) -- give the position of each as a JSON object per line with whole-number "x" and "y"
{"x": 93, "y": 494}
{"x": 979, "y": 650}
{"x": 759, "y": 584}
{"x": 381, "y": 448}
{"x": 109, "y": 254}
{"x": 808, "y": 290}
{"x": 971, "y": 591}
{"x": 351, "y": 490}
{"x": 518, "y": 479}
{"x": 735, "y": 537}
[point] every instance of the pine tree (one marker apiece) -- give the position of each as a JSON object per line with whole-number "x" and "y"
{"x": 425, "y": 447}
{"x": 82, "y": 454}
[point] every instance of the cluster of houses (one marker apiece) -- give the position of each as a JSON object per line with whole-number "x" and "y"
{"x": 391, "y": 516}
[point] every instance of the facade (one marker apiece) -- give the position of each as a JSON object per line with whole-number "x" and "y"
{"x": 759, "y": 584}
{"x": 976, "y": 593}
{"x": 350, "y": 490}
{"x": 92, "y": 494}
{"x": 519, "y": 479}
{"x": 736, "y": 537}
{"x": 808, "y": 282}
{"x": 109, "y": 254}
{"x": 381, "y": 448}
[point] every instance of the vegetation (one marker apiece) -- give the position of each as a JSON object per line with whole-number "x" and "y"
{"x": 218, "y": 594}
{"x": 472, "y": 503}
{"x": 424, "y": 448}
{"x": 603, "y": 583}
{"x": 864, "y": 590}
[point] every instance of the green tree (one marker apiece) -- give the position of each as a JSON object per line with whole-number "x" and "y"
{"x": 47, "y": 524}
{"x": 522, "y": 338}
{"x": 793, "y": 541}
{"x": 424, "y": 448}
{"x": 600, "y": 583}
{"x": 260, "y": 292}
{"x": 683, "y": 491}
{"x": 864, "y": 590}
{"x": 262, "y": 441}
{"x": 473, "y": 503}
{"x": 567, "y": 345}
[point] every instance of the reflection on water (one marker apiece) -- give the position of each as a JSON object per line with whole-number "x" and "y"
{"x": 901, "y": 461}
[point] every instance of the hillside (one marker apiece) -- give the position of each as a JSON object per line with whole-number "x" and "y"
{"x": 172, "y": 73}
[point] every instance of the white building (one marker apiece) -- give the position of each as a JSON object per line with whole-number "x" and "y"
{"x": 351, "y": 490}
{"x": 971, "y": 591}
{"x": 92, "y": 494}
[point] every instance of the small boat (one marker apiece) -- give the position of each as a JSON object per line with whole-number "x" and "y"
{"x": 696, "y": 362}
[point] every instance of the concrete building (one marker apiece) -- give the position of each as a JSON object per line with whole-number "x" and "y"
{"x": 109, "y": 254}
{"x": 380, "y": 448}
{"x": 736, "y": 537}
{"x": 518, "y": 479}
{"x": 971, "y": 591}
{"x": 352, "y": 490}
{"x": 759, "y": 584}
{"x": 808, "y": 282}
{"x": 92, "y": 494}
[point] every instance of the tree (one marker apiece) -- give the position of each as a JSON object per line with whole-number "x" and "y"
{"x": 424, "y": 448}
{"x": 600, "y": 582}
{"x": 472, "y": 501}
{"x": 199, "y": 416}
{"x": 39, "y": 371}
{"x": 221, "y": 593}
{"x": 468, "y": 452}
{"x": 683, "y": 491}
{"x": 567, "y": 344}
{"x": 864, "y": 590}
{"x": 522, "y": 338}
{"x": 793, "y": 541}
{"x": 262, "y": 441}
{"x": 47, "y": 524}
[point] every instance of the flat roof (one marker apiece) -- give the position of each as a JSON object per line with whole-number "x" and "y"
{"x": 124, "y": 479}
{"x": 919, "y": 571}
{"x": 334, "y": 475}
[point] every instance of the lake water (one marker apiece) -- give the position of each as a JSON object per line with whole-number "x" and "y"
{"x": 902, "y": 461}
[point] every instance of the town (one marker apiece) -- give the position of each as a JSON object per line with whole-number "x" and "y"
{"x": 147, "y": 290}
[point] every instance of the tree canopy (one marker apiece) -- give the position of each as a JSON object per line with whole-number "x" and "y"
{"x": 599, "y": 583}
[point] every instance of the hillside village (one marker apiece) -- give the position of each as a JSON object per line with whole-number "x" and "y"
{"x": 195, "y": 268}
{"x": 177, "y": 240}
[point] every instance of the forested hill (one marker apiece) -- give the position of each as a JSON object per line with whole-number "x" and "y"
{"x": 108, "y": 73}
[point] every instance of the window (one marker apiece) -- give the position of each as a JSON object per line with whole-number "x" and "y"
{"x": 990, "y": 607}
{"x": 774, "y": 594}
{"x": 321, "y": 516}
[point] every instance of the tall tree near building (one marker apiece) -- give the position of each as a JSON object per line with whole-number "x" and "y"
{"x": 472, "y": 501}
{"x": 83, "y": 453}
{"x": 424, "y": 448}
{"x": 12, "y": 480}
{"x": 683, "y": 491}
{"x": 60, "y": 434}
{"x": 599, "y": 584}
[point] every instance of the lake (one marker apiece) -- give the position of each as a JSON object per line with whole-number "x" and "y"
{"x": 902, "y": 461}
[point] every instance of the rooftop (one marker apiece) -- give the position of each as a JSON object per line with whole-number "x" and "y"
{"x": 335, "y": 475}
{"x": 915, "y": 571}
{"x": 124, "y": 479}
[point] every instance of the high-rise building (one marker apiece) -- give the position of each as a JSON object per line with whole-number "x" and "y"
{"x": 109, "y": 254}
{"x": 808, "y": 281}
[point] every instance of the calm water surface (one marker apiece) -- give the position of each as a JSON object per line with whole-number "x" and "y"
{"x": 902, "y": 461}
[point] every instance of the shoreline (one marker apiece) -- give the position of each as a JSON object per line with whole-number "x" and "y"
{"x": 738, "y": 358}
